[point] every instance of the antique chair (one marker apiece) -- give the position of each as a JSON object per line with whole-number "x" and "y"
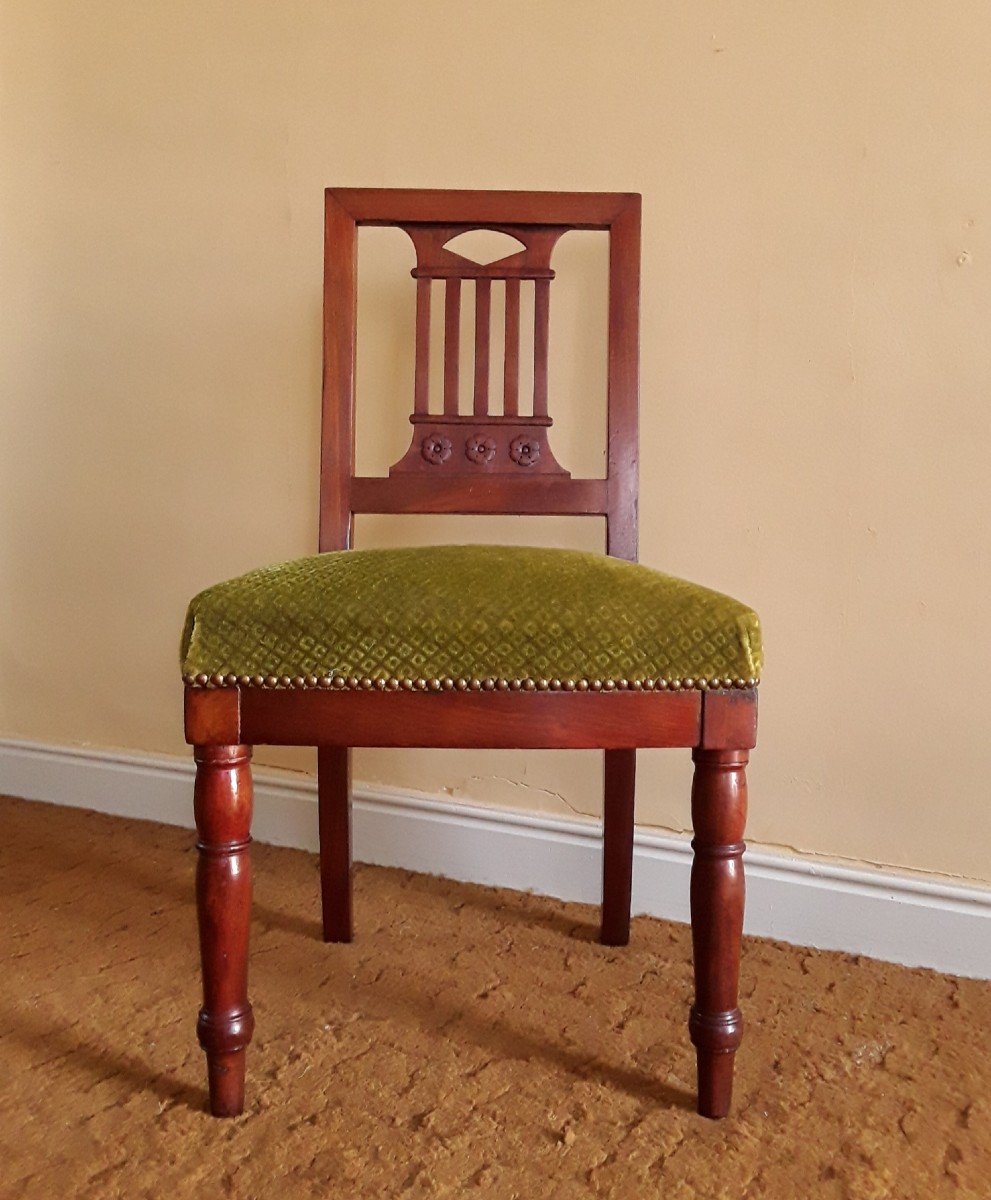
{"x": 472, "y": 646}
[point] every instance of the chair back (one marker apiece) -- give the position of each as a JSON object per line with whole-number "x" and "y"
{"x": 480, "y": 462}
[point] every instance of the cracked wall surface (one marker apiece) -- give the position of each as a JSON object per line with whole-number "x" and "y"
{"x": 471, "y": 1041}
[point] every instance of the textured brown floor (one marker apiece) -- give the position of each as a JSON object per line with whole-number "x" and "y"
{"x": 471, "y": 1042}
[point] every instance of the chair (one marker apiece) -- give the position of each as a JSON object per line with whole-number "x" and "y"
{"x": 472, "y": 646}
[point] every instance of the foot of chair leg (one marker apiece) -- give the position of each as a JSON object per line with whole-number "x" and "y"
{"x": 719, "y": 813}
{"x": 334, "y": 799}
{"x": 225, "y": 1074}
{"x": 223, "y": 901}
{"x": 620, "y": 774}
{"x": 715, "y": 1065}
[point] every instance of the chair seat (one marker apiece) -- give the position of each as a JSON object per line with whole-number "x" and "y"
{"x": 467, "y": 616}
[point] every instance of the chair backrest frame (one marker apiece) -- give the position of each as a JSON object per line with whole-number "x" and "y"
{"x": 432, "y": 217}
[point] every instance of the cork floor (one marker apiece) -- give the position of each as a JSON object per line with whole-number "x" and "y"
{"x": 471, "y": 1042}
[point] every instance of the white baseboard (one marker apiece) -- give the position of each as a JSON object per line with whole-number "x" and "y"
{"x": 897, "y": 917}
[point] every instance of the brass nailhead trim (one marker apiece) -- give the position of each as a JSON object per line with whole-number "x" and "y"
{"x": 446, "y": 684}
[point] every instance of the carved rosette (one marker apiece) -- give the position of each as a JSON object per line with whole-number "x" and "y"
{"x": 479, "y": 448}
{"x": 435, "y": 449}
{"x": 524, "y": 451}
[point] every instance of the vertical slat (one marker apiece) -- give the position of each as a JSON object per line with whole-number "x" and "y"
{"x": 452, "y": 345}
{"x": 483, "y": 310}
{"x": 541, "y": 330}
{"x": 421, "y": 384}
{"x": 511, "y": 385}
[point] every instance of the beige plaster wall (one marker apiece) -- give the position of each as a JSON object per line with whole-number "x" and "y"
{"x": 816, "y": 419}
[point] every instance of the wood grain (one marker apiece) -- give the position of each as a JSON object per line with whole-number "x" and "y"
{"x": 452, "y": 344}
{"x": 495, "y": 720}
{"x": 340, "y": 303}
{"x": 511, "y": 370}
{"x": 477, "y": 209}
{"x": 483, "y": 333}
{"x": 421, "y": 376}
{"x": 543, "y": 495}
{"x": 719, "y": 814}
{"x": 334, "y": 805}
{"x": 620, "y": 777}
{"x": 730, "y": 721}
{"x": 541, "y": 342}
{"x": 222, "y": 805}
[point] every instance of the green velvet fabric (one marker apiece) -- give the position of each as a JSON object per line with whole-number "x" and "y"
{"x": 464, "y": 612}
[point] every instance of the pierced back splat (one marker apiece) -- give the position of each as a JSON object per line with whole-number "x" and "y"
{"x": 464, "y": 462}
{"x": 481, "y": 442}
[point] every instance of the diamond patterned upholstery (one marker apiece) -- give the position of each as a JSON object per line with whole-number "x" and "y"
{"x": 466, "y": 613}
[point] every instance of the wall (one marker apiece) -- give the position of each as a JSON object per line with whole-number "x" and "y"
{"x": 816, "y": 375}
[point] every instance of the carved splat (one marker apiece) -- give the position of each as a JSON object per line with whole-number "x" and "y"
{"x": 452, "y": 442}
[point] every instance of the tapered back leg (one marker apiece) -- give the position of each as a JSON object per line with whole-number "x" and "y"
{"x": 223, "y": 804}
{"x": 719, "y": 814}
{"x": 334, "y": 794}
{"x": 620, "y": 774}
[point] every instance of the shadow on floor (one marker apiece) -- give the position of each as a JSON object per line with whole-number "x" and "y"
{"x": 87, "y": 1052}
{"x": 142, "y": 879}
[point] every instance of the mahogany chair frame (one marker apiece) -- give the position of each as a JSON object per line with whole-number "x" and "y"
{"x": 224, "y": 722}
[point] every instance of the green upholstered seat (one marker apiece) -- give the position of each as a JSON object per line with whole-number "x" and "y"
{"x": 467, "y": 616}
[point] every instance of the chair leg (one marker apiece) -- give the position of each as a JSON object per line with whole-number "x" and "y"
{"x": 719, "y": 814}
{"x": 334, "y": 797}
{"x": 620, "y": 773}
{"x": 222, "y": 802}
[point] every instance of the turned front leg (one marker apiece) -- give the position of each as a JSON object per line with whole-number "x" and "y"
{"x": 223, "y": 901}
{"x": 719, "y": 814}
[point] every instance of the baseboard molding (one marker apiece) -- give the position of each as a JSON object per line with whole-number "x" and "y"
{"x": 897, "y": 917}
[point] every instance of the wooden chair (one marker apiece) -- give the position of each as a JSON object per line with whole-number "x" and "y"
{"x": 471, "y": 463}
